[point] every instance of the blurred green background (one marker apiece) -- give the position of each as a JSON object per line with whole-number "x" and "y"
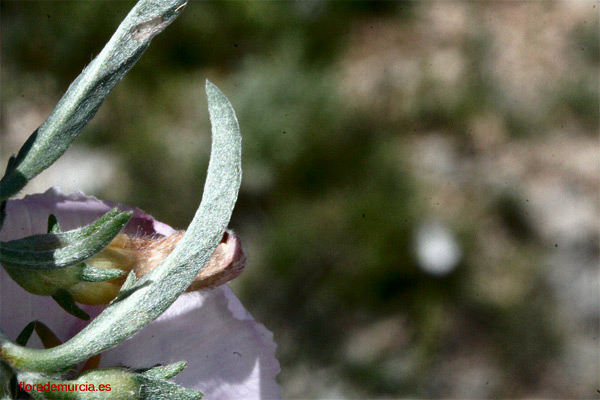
{"x": 420, "y": 194}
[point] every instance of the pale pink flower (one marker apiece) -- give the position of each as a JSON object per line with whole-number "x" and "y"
{"x": 229, "y": 355}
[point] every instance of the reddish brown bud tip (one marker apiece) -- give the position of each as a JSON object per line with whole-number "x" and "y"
{"x": 226, "y": 263}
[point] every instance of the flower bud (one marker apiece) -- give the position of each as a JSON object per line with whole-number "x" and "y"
{"x": 142, "y": 254}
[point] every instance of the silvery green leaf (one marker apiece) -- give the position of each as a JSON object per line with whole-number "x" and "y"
{"x": 85, "y": 95}
{"x": 129, "y": 282}
{"x": 160, "y": 389}
{"x": 88, "y": 273}
{"x": 59, "y": 250}
{"x": 151, "y": 295}
{"x": 165, "y": 371}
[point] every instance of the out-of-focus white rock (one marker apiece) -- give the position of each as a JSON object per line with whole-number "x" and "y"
{"x": 438, "y": 252}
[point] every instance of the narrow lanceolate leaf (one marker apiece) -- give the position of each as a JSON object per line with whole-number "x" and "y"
{"x": 160, "y": 389}
{"x": 45, "y": 334}
{"x": 147, "y": 298}
{"x": 88, "y": 91}
{"x": 60, "y": 250}
{"x": 165, "y": 371}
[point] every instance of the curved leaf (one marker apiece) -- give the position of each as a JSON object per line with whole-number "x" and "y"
{"x": 156, "y": 291}
{"x": 85, "y": 95}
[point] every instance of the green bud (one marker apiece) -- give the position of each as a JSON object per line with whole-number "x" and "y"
{"x": 112, "y": 383}
{"x": 51, "y": 264}
{"x": 107, "y": 384}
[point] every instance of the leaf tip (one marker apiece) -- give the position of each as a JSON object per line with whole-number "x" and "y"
{"x": 211, "y": 88}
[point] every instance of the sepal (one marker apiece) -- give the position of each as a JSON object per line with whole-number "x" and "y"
{"x": 95, "y": 384}
{"x": 51, "y": 264}
{"x": 45, "y": 334}
{"x": 129, "y": 282}
{"x": 53, "y": 250}
{"x": 66, "y": 301}
{"x": 165, "y": 371}
{"x": 58, "y": 270}
{"x": 105, "y": 384}
{"x": 87, "y": 273}
{"x": 159, "y": 389}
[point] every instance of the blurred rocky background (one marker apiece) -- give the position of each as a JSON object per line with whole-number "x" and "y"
{"x": 420, "y": 202}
